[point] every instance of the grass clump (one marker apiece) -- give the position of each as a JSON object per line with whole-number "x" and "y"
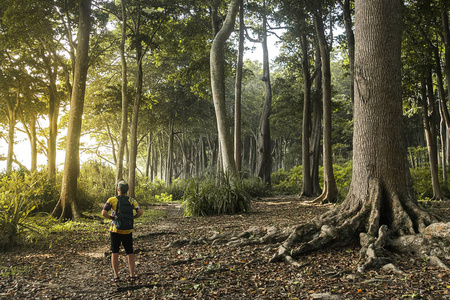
{"x": 206, "y": 198}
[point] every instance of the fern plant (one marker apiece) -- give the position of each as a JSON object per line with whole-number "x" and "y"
{"x": 14, "y": 210}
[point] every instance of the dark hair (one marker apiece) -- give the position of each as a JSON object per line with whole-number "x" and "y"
{"x": 122, "y": 186}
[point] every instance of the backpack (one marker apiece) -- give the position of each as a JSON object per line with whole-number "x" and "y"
{"x": 124, "y": 213}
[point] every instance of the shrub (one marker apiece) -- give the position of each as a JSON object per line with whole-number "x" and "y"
{"x": 343, "y": 178}
{"x": 95, "y": 184}
{"x": 35, "y": 186}
{"x": 147, "y": 190}
{"x": 423, "y": 188}
{"x": 287, "y": 182}
{"x": 22, "y": 194}
{"x": 255, "y": 187}
{"x": 205, "y": 198}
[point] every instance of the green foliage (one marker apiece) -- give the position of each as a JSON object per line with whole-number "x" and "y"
{"x": 290, "y": 182}
{"x": 95, "y": 184}
{"x": 158, "y": 191}
{"x": 423, "y": 188}
{"x": 255, "y": 187}
{"x": 13, "y": 218}
{"x": 145, "y": 191}
{"x": 343, "y": 177}
{"x": 22, "y": 194}
{"x": 35, "y": 186}
{"x": 287, "y": 182}
{"x": 164, "y": 197}
{"x": 205, "y": 198}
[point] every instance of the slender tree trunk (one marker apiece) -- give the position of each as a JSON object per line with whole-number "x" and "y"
{"x": 316, "y": 127}
{"x": 30, "y": 129}
{"x": 443, "y": 136}
{"x": 67, "y": 205}
{"x": 307, "y": 187}
{"x": 12, "y": 113}
{"x": 329, "y": 193}
{"x": 238, "y": 92}
{"x": 169, "y": 161}
{"x": 134, "y": 124}
{"x": 218, "y": 87}
{"x": 124, "y": 121}
{"x": 53, "y": 113}
{"x": 429, "y": 117}
{"x": 33, "y": 142}
{"x": 263, "y": 142}
{"x": 348, "y": 24}
{"x": 148, "y": 162}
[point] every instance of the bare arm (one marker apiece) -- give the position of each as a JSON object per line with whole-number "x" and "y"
{"x": 106, "y": 215}
{"x": 139, "y": 213}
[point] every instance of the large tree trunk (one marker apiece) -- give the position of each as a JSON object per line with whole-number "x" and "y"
{"x": 67, "y": 205}
{"x": 218, "y": 87}
{"x": 124, "y": 122}
{"x": 263, "y": 142}
{"x": 330, "y": 192}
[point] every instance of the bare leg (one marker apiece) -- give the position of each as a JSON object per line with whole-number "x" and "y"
{"x": 115, "y": 264}
{"x": 131, "y": 264}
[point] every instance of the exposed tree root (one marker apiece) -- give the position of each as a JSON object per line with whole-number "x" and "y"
{"x": 379, "y": 225}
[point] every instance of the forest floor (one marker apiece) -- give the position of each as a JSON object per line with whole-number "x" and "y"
{"x": 77, "y": 266}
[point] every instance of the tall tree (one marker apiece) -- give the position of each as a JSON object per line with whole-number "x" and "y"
{"x": 124, "y": 121}
{"x": 67, "y": 205}
{"x": 238, "y": 91}
{"x": 217, "y": 62}
{"x": 263, "y": 141}
{"x": 329, "y": 193}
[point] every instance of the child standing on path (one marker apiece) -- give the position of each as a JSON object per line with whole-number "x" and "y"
{"x": 123, "y": 235}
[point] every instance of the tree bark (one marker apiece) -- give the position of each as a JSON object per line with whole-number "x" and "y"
{"x": 316, "y": 127}
{"x": 238, "y": 92}
{"x": 169, "y": 161}
{"x": 124, "y": 121}
{"x": 67, "y": 205}
{"x": 429, "y": 123}
{"x": 218, "y": 87}
{"x": 13, "y": 107}
{"x": 348, "y": 25}
{"x": 263, "y": 142}
{"x": 53, "y": 114}
{"x": 307, "y": 187}
{"x": 134, "y": 118}
{"x": 329, "y": 193}
{"x": 30, "y": 129}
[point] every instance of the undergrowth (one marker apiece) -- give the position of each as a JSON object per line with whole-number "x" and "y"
{"x": 206, "y": 198}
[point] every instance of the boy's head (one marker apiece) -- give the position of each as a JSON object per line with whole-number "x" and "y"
{"x": 122, "y": 186}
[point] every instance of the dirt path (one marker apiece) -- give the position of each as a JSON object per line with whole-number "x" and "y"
{"x": 75, "y": 270}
